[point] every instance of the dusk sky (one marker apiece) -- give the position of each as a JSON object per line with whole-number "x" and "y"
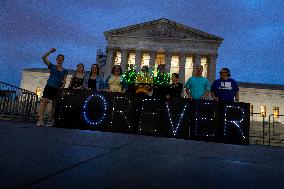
{"x": 253, "y": 31}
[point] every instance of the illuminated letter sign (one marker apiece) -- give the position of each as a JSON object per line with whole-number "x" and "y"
{"x": 176, "y": 118}
{"x": 96, "y": 114}
{"x": 235, "y": 120}
{"x": 151, "y": 119}
{"x": 122, "y": 114}
{"x": 234, "y": 123}
{"x": 204, "y": 121}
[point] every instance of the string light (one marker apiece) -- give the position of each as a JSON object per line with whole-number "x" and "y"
{"x": 85, "y": 109}
{"x": 236, "y": 123}
{"x": 146, "y": 102}
{"x": 175, "y": 129}
{"x": 143, "y": 113}
{"x": 130, "y": 76}
{"x": 120, "y": 111}
{"x": 197, "y": 117}
{"x": 162, "y": 78}
{"x": 144, "y": 78}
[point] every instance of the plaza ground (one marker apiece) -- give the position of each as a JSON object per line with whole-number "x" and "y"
{"x": 48, "y": 157}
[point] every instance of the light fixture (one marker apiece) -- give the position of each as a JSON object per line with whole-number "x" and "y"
{"x": 263, "y": 111}
{"x": 276, "y": 112}
{"x": 38, "y": 91}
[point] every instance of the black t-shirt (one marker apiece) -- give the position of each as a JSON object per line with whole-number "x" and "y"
{"x": 175, "y": 90}
{"x": 77, "y": 82}
{"x": 92, "y": 83}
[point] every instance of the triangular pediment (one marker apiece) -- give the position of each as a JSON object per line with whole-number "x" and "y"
{"x": 162, "y": 28}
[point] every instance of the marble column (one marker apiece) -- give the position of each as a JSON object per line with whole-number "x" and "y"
{"x": 109, "y": 62}
{"x": 124, "y": 59}
{"x": 182, "y": 62}
{"x": 138, "y": 59}
{"x": 196, "y": 62}
{"x": 153, "y": 57}
{"x": 168, "y": 59}
{"x": 212, "y": 68}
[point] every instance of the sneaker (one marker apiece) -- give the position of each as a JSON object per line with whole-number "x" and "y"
{"x": 39, "y": 123}
{"x": 50, "y": 124}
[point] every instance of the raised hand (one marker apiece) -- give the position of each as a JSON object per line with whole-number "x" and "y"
{"x": 44, "y": 57}
{"x": 52, "y": 50}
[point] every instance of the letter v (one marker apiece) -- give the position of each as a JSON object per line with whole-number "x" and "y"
{"x": 175, "y": 127}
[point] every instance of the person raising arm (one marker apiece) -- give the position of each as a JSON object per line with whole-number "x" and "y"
{"x": 56, "y": 80}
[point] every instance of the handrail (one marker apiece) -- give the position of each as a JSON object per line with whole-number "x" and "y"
{"x": 269, "y": 127}
{"x": 15, "y": 101}
{"x": 17, "y": 87}
{"x": 272, "y": 125}
{"x": 263, "y": 125}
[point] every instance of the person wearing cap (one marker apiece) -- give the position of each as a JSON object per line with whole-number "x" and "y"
{"x": 225, "y": 88}
{"x": 197, "y": 87}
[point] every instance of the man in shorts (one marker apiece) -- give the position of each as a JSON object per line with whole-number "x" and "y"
{"x": 56, "y": 80}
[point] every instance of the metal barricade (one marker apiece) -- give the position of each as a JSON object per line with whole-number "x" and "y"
{"x": 18, "y": 103}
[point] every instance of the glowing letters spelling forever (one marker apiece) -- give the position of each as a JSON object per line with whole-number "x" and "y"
{"x": 150, "y": 110}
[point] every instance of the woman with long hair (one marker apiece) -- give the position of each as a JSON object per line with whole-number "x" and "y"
{"x": 175, "y": 88}
{"x": 94, "y": 81}
{"x": 77, "y": 80}
{"x": 115, "y": 83}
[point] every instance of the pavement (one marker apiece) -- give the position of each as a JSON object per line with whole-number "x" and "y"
{"x": 48, "y": 157}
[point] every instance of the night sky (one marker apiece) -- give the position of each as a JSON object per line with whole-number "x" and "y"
{"x": 253, "y": 31}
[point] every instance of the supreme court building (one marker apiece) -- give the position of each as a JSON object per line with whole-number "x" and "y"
{"x": 162, "y": 41}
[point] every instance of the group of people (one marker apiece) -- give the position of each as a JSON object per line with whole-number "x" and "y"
{"x": 141, "y": 84}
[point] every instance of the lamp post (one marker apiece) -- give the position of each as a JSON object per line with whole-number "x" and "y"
{"x": 275, "y": 116}
{"x": 263, "y": 115}
{"x": 251, "y": 113}
{"x": 276, "y": 112}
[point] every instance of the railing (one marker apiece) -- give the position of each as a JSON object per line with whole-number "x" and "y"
{"x": 273, "y": 126}
{"x": 263, "y": 125}
{"x": 17, "y": 102}
{"x": 266, "y": 131}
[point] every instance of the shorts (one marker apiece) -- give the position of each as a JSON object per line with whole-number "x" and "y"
{"x": 50, "y": 92}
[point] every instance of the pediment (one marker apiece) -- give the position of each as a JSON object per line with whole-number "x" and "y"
{"x": 162, "y": 28}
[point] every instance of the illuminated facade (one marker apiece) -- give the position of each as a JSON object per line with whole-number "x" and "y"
{"x": 162, "y": 41}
